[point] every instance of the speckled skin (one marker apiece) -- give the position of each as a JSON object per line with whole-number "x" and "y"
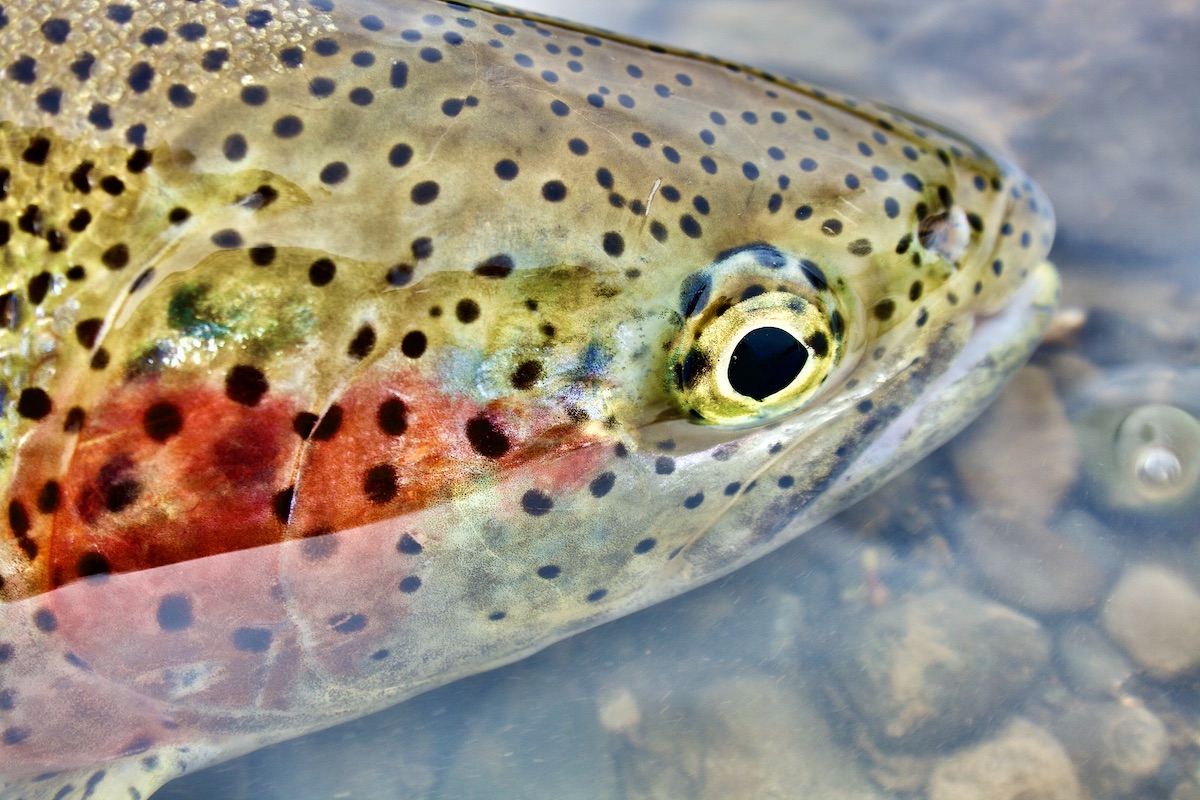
{"x": 352, "y": 348}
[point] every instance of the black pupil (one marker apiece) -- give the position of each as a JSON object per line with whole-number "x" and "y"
{"x": 765, "y": 361}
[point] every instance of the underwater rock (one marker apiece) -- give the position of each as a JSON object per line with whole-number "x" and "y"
{"x": 1089, "y": 662}
{"x": 535, "y": 738}
{"x": 1042, "y": 567}
{"x": 1022, "y": 762}
{"x": 934, "y": 667}
{"x": 1154, "y": 614}
{"x": 747, "y": 736}
{"x": 1117, "y": 746}
{"x": 1022, "y": 454}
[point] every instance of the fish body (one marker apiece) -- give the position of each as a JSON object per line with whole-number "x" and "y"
{"x": 351, "y": 348}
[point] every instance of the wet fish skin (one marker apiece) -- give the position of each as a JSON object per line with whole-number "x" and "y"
{"x": 350, "y": 348}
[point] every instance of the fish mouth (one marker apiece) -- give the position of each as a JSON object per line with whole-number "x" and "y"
{"x": 1027, "y": 314}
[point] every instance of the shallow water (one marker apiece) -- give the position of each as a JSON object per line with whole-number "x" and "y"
{"x": 1019, "y": 616}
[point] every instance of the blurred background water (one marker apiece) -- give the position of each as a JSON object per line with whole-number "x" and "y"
{"x": 1017, "y": 617}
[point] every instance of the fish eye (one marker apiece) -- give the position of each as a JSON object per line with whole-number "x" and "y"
{"x": 751, "y": 350}
{"x": 945, "y": 234}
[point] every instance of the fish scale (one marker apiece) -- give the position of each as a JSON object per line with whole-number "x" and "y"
{"x": 350, "y": 348}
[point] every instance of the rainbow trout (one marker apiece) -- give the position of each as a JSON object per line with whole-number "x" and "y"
{"x": 350, "y": 348}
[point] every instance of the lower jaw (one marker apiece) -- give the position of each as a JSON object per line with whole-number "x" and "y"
{"x": 999, "y": 344}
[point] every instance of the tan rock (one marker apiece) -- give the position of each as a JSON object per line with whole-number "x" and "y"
{"x": 1042, "y": 567}
{"x": 1021, "y": 454}
{"x": 1022, "y": 762}
{"x": 1154, "y": 614}
{"x": 1090, "y": 663}
{"x": 923, "y": 671}
{"x": 748, "y": 736}
{"x": 1119, "y": 747}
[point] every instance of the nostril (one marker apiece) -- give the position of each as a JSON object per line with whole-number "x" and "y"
{"x": 945, "y": 234}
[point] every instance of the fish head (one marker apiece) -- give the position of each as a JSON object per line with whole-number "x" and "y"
{"x": 826, "y": 345}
